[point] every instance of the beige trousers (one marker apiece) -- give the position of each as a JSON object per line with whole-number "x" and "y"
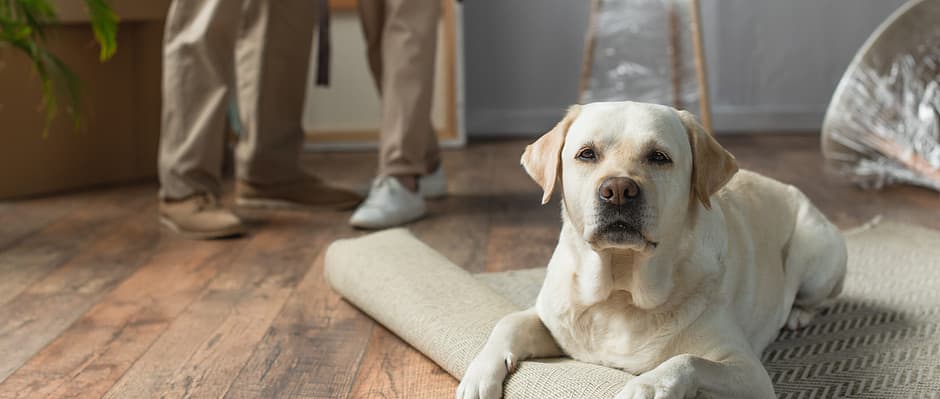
{"x": 401, "y": 37}
{"x": 258, "y": 52}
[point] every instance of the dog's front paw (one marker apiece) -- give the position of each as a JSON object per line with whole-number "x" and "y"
{"x": 653, "y": 385}
{"x": 484, "y": 378}
{"x": 799, "y": 317}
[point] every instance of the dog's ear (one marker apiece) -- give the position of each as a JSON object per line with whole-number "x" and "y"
{"x": 542, "y": 159}
{"x": 712, "y": 165}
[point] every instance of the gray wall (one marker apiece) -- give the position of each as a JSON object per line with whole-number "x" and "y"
{"x": 523, "y": 59}
{"x": 773, "y": 64}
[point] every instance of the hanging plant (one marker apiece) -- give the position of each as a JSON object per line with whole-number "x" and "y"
{"x": 22, "y": 27}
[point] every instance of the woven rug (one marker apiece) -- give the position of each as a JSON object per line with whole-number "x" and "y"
{"x": 880, "y": 339}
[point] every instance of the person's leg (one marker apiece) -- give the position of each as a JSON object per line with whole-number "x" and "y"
{"x": 402, "y": 40}
{"x": 197, "y": 73}
{"x": 408, "y": 47}
{"x": 198, "y": 70}
{"x": 272, "y": 56}
{"x": 372, "y": 21}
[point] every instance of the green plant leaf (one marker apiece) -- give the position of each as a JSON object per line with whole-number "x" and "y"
{"x": 22, "y": 27}
{"x": 35, "y": 14}
{"x": 104, "y": 22}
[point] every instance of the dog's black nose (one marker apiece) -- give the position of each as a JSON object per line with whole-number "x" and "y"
{"x": 618, "y": 190}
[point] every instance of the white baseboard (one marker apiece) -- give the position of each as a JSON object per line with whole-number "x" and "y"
{"x": 507, "y": 122}
{"x": 738, "y": 119}
{"x": 531, "y": 122}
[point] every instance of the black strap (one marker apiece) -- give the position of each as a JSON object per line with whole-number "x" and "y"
{"x": 323, "y": 44}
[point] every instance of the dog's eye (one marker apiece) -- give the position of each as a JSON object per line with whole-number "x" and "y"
{"x": 587, "y": 154}
{"x": 658, "y": 157}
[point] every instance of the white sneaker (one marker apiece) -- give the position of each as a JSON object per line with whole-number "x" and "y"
{"x": 434, "y": 185}
{"x": 389, "y": 204}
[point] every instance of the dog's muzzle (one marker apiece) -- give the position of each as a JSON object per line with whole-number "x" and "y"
{"x": 619, "y": 213}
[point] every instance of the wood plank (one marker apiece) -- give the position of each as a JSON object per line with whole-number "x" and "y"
{"x": 203, "y": 350}
{"x": 354, "y": 169}
{"x": 79, "y": 223}
{"x": 456, "y": 225}
{"x": 313, "y": 348}
{"x": 519, "y": 243}
{"x": 522, "y": 233}
{"x": 392, "y": 369}
{"x": 90, "y": 356}
{"x": 48, "y": 307}
{"x": 796, "y": 159}
{"x": 19, "y": 219}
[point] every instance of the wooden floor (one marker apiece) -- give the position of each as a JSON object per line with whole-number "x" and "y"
{"x": 95, "y": 301}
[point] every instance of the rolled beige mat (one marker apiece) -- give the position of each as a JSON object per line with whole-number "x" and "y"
{"x": 447, "y": 313}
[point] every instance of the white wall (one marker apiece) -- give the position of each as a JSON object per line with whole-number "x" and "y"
{"x": 773, "y": 63}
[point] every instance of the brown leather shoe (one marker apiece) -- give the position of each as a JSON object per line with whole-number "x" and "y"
{"x": 306, "y": 193}
{"x": 200, "y": 217}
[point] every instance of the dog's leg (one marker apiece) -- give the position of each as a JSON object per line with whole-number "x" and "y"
{"x": 516, "y": 337}
{"x": 800, "y": 317}
{"x": 688, "y": 376}
{"x": 815, "y": 263}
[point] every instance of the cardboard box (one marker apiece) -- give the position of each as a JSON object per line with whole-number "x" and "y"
{"x": 121, "y": 106}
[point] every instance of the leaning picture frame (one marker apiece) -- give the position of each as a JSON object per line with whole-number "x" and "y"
{"x": 346, "y": 115}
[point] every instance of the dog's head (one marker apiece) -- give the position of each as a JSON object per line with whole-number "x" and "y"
{"x": 629, "y": 172}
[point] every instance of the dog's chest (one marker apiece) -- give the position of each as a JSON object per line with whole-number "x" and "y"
{"x": 611, "y": 333}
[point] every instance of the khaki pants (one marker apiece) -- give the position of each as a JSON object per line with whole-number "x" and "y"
{"x": 259, "y": 50}
{"x": 402, "y": 41}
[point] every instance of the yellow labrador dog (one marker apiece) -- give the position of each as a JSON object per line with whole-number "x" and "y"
{"x": 671, "y": 263}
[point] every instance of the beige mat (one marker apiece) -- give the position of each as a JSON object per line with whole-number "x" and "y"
{"x": 880, "y": 340}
